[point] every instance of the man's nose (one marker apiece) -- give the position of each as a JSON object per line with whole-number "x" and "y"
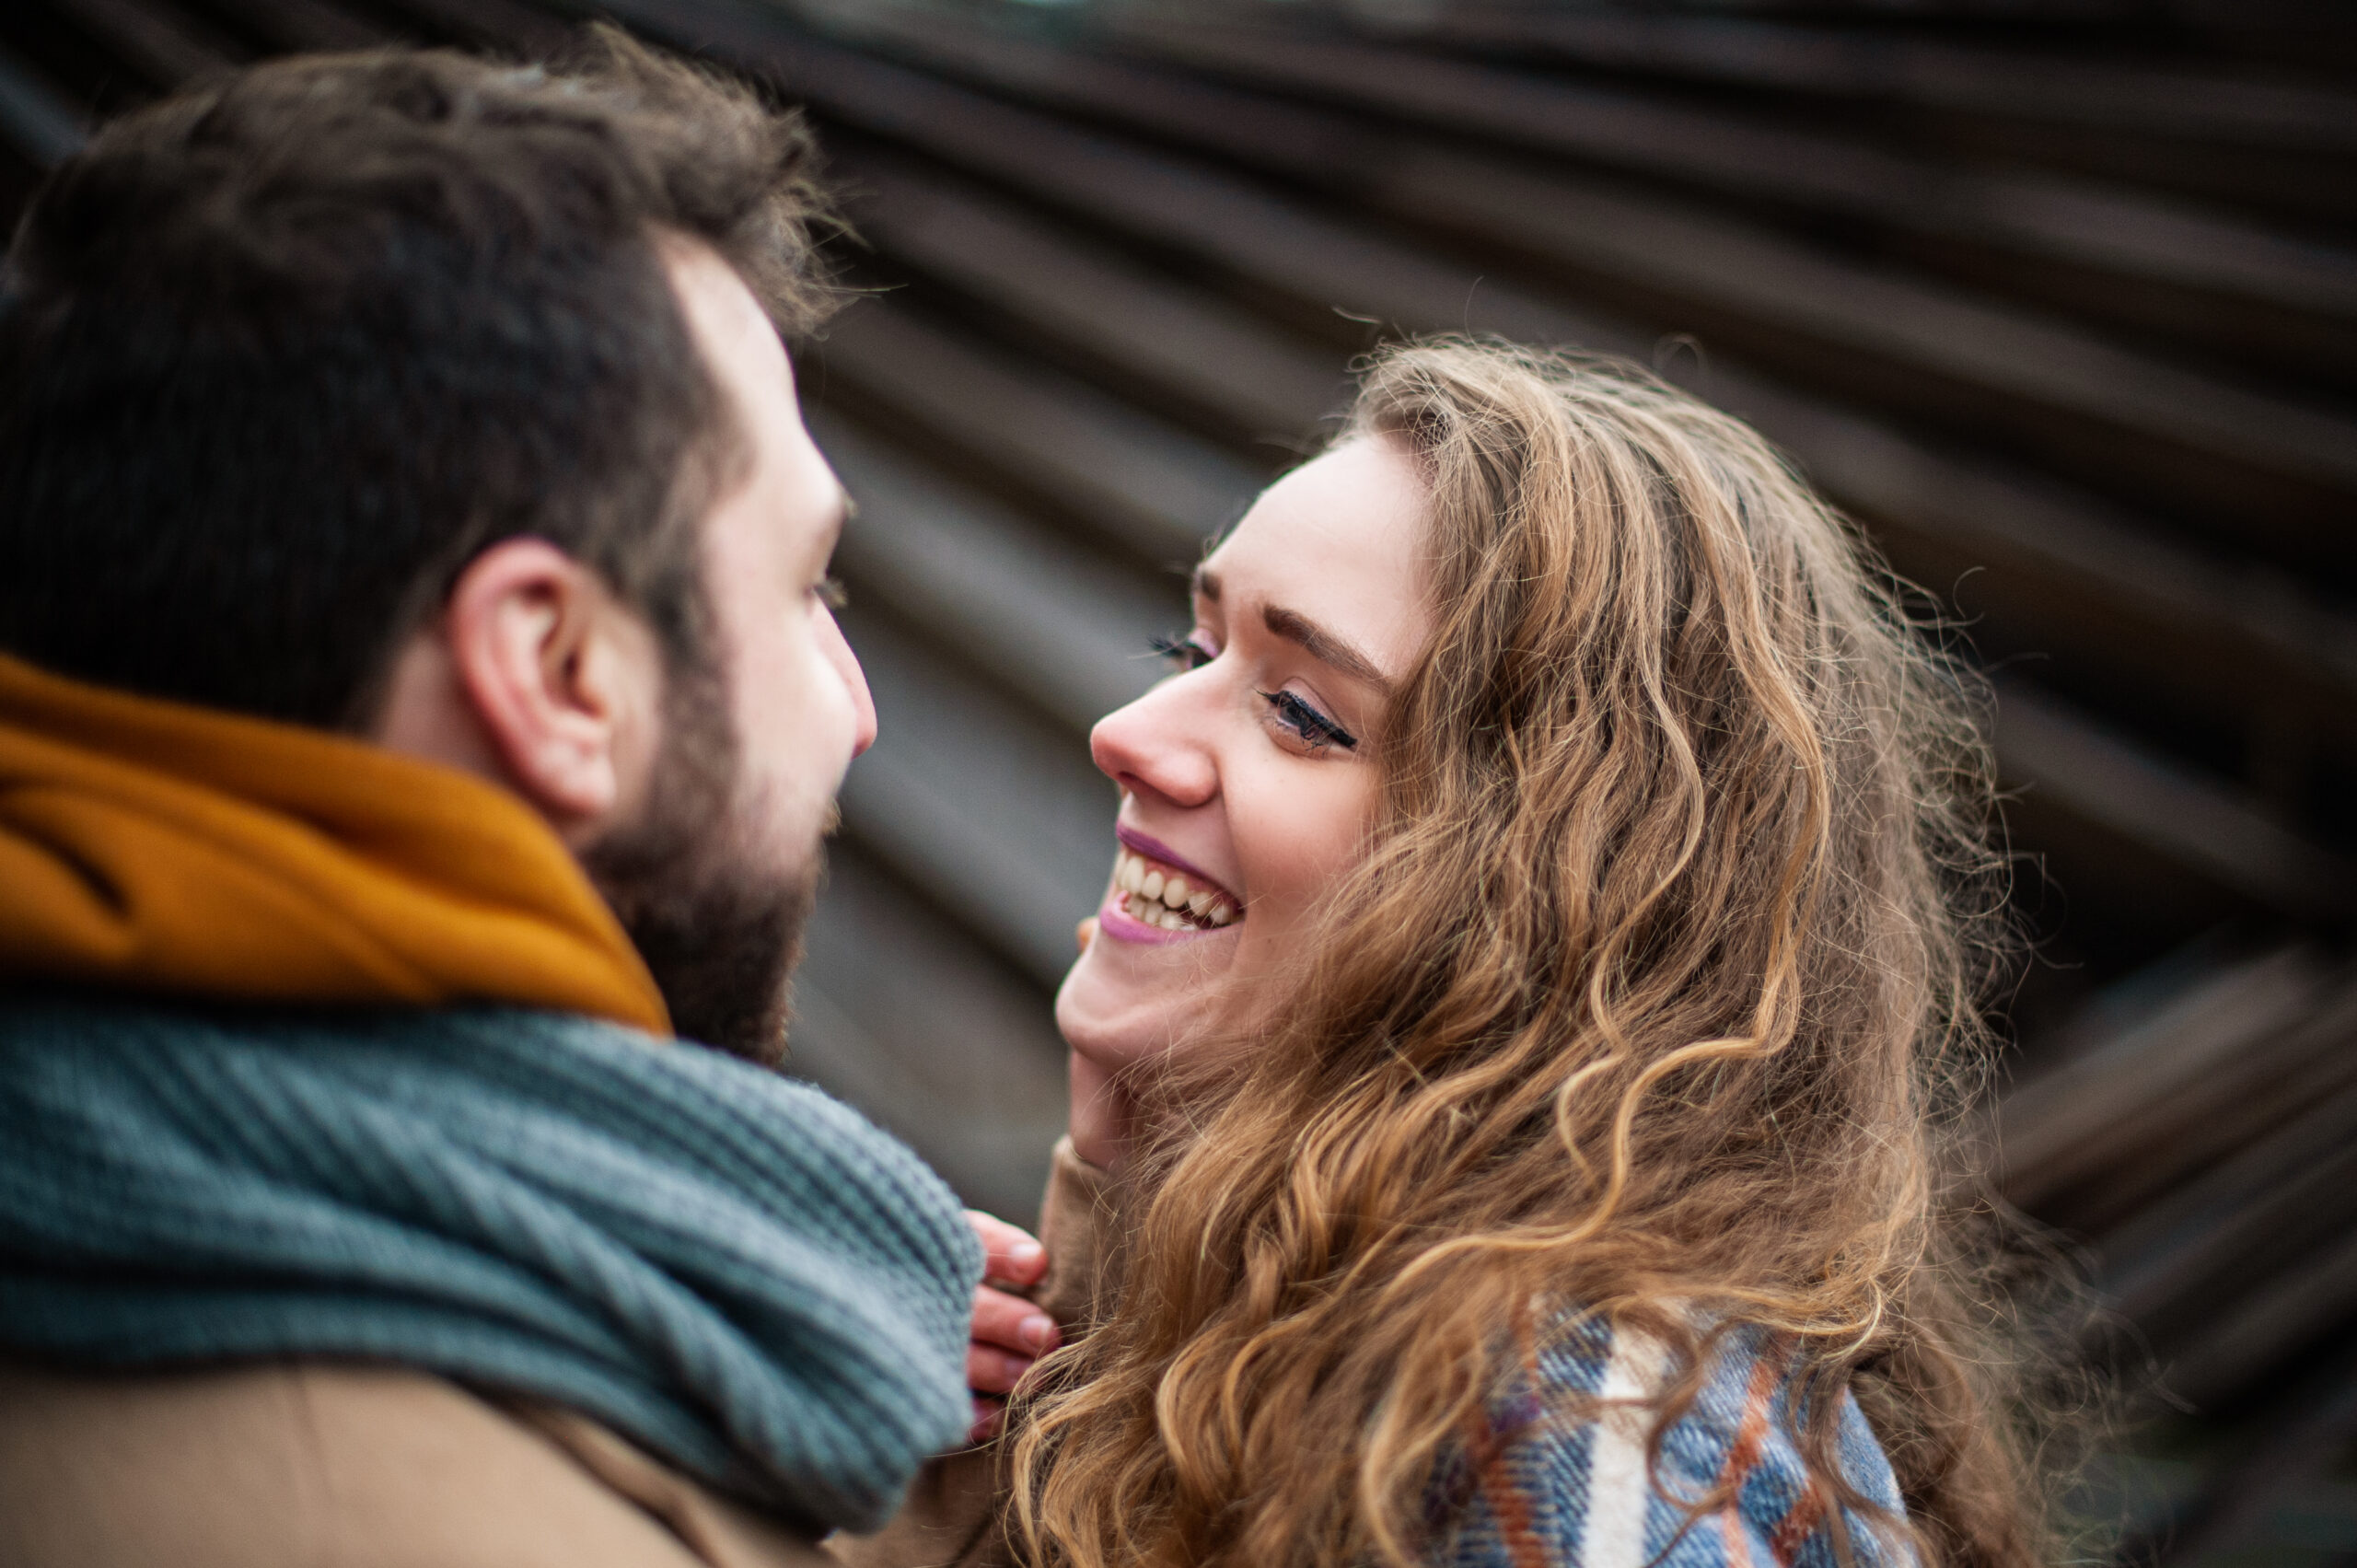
{"x": 854, "y": 680}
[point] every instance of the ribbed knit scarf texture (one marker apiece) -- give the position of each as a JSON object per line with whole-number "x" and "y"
{"x": 730, "y": 1269}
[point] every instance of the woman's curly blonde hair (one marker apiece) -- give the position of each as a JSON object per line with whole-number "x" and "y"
{"x": 1653, "y": 998}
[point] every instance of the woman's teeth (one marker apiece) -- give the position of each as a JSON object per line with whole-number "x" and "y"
{"x": 1165, "y": 898}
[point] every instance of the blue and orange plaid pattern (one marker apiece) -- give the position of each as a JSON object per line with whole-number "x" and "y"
{"x": 1726, "y": 1489}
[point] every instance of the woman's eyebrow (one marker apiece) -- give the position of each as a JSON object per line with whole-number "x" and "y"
{"x": 1314, "y": 639}
{"x": 1322, "y": 646}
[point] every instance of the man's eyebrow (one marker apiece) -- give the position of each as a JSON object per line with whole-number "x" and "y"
{"x": 1322, "y": 646}
{"x": 1206, "y": 585}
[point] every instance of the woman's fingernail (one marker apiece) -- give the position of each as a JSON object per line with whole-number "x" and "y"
{"x": 1023, "y": 1254}
{"x": 1037, "y": 1330}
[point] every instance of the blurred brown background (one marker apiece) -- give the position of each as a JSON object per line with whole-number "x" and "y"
{"x": 2059, "y": 297}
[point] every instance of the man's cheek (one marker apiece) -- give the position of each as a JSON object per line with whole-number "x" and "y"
{"x": 770, "y": 697}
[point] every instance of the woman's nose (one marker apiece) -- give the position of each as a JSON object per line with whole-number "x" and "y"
{"x": 1154, "y": 747}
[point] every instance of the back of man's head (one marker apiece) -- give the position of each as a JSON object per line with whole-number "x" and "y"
{"x": 279, "y": 357}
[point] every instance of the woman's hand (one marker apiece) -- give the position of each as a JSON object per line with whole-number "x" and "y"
{"x": 1009, "y": 1332}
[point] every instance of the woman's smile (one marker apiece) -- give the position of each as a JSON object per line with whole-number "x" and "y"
{"x": 1157, "y": 897}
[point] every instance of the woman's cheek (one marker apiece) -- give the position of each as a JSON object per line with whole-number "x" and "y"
{"x": 1295, "y": 856}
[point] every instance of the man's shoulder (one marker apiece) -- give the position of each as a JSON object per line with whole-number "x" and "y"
{"x": 297, "y": 1463}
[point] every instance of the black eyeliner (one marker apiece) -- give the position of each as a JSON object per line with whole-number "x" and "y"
{"x": 1312, "y": 726}
{"x": 1315, "y": 727}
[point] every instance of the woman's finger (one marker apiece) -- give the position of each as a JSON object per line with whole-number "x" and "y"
{"x": 1011, "y": 1323}
{"x": 989, "y": 1416}
{"x": 1012, "y": 1256}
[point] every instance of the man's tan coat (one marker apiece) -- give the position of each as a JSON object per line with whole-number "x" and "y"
{"x": 310, "y": 1464}
{"x": 314, "y": 1464}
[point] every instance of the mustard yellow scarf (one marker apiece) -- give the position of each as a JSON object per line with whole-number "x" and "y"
{"x": 166, "y": 848}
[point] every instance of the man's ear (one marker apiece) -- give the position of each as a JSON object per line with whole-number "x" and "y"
{"x": 562, "y": 685}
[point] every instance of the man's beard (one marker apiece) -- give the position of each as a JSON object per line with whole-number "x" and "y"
{"x": 720, "y": 937}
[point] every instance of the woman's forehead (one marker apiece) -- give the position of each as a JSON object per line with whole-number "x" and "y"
{"x": 1341, "y": 539}
{"x": 1364, "y": 498}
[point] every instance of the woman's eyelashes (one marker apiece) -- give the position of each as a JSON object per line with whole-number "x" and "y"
{"x": 1183, "y": 652}
{"x": 1312, "y": 729}
{"x": 1315, "y": 728}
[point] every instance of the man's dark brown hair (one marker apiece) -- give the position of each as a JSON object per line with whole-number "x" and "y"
{"x": 280, "y": 355}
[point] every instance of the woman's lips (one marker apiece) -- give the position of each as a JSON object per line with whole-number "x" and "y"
{"x": 1158, "y": 898}
{"x": 1147, "y": 847}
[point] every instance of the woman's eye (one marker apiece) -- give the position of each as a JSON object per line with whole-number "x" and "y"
{"x": 1183, "y": 652}
{"x": 1313, "y": 727}
{"x": 831, "y": 593}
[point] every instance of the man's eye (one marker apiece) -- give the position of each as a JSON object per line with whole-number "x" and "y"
{"x": 831, "y": 593}
{"x": 1184, "y": 653}
{"x": 1313, "y": 727}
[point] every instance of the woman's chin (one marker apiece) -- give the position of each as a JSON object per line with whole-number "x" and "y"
{"x": 1109, "y": 1017}
{"x": 1126, "y": 1001}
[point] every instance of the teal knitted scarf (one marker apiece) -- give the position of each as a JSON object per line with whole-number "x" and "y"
{"x": 727, "y": 1267}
